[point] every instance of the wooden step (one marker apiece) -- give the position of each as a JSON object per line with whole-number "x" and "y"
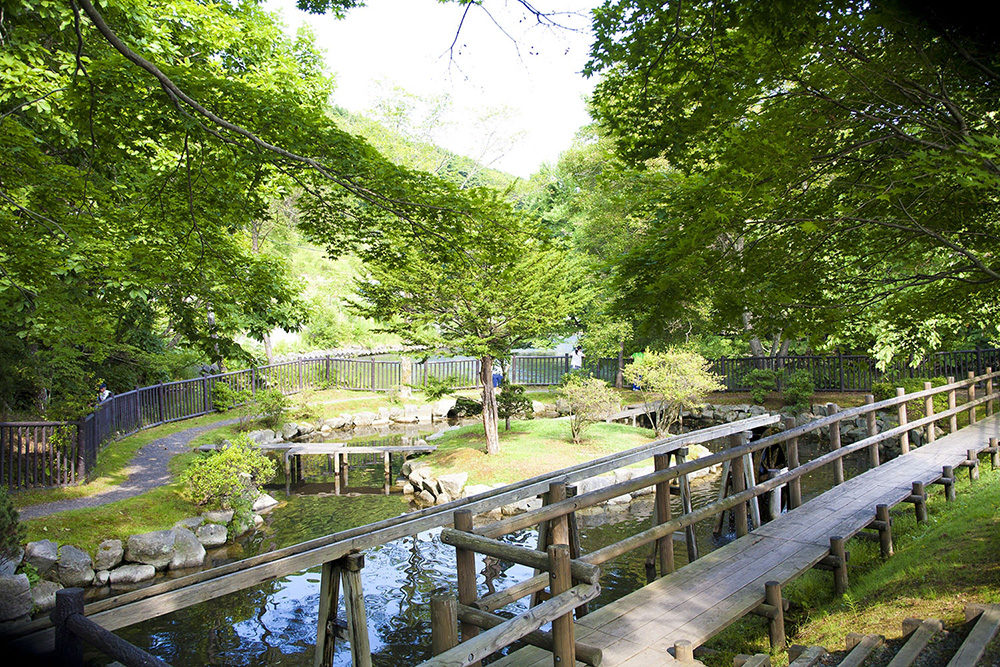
{"x": 803, "y": 656}
{"x": 860, "y": 647}
{"x": 983, "y": 632}
{"x": 919, "y": 638}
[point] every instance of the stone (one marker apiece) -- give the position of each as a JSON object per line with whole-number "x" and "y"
{"x": 131, "y": 574}
{"x": 218, "y": 516}
{"x": 521, "y": 506}
{"x": 241, "y": 525}
{"x": 263, "y": 503}
{"x": 212, "y": 534}
{"x": 258, "y": 521}
{"x": 102, "y": 577}
{"x": 593, "y": 484}
{"x": 189, "y": 523}
{"x": 441, "y": 408}
{"x": 411, "y": 466}
{"x": 42, "y": 555}
{"x": 364, "y": 419}
{"x": 15, "y": 597}
{"x": 538, "y": 407}
{"x": 263, "y": 436}
{"x": 407, "y": 489}
{"x": 74, "y": 567}
{"x": 430, "y": 486}
{"x": 426, "y": 497}
{"x": 494, "y": 514}
{"x": 757, "y": 410}
{"x": 8, "y": 564}
{"x": 336, "y": 423}
{"x": 155, "y": 548}
{"x": 442, "y": 499}
{"x": 453, "y": 483}
{"x": 43, "y": 594}
{"x": 306, "y": 429}
{"x": 476, "y": 489}
{"x": 434, "y": 436}
{"x": 325, "y": 428}
{"x": 188, "y": 551}
{"x": 289, "y": 430}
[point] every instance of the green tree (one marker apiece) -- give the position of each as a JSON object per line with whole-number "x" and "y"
{"x": 512, "y": 403}
{"x": 590, "y": 400}
{"x": 671, "y": 381}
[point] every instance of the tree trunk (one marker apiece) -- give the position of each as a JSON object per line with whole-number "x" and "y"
{"x": 267, "y": 349}
{"x": 619, "y": 376}
{"x": 490, "y": 417}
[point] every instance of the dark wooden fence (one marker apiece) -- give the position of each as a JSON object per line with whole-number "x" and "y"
{"x": 42, "y": 454}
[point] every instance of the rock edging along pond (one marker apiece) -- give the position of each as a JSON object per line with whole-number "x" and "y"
{"x": 115, "y": 564}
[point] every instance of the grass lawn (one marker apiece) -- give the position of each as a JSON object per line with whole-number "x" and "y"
{"x": 529, "y": 448}
{"x": 112, "y": 463}
{"x": 314, "y": 405}
{"x": 937, "y": 569}
{"x": 155, "y": 510}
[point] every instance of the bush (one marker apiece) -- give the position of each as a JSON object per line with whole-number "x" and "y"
{"x": 590, "y": 400}
{"x": 269, "y": 405}
{"x": 669, "y": 382}
{"x": 761, "y": 381}
{"x": 884, "y": 389}
{"x": 798, "y": 389}
{"x": 230, "y": 478}
{"x": 437, "y": 388}
{"x": 467, "y": 407}
{"x": 511, "y": 402}
{"x": 12, "y": 532}
{"x": 225, "y": 398}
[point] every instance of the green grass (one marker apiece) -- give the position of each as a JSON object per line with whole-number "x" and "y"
{"x": 530, "y": 448}
{"x": 86, "y": 528}
{"x": 112, "y": 467}
{"x": 937, "y": 569}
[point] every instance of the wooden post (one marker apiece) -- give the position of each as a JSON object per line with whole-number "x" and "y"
{"x": 840, "y": 568}
{"x": 345, "y": 471}
{"x": 794, "y": 485}
{"x": 544, "y": 540}
{"x": 558, "y": 527}
{"x": 465, "y": 566}
{"x": 683, "y": 651}
{"x": 159, "y": 400}
{"x": 372, "y": 363}
{"x": 739, "y": 484}
{"x": 972, "y": 461}
{"x": 989, "y": 392}
{"x": 948, "y": 482}
{"x": 884, "y": 530}
{"x": 326, "y": 630}
{"x": 357, "y": 621}
{"x": 336, "y": 473}
{"x": 838, "y": 465}
{"x": 873, "y": 459}
{"x": 776, "y": 628}
{"x": 444, "y": 623}
{"x": 574, "y": 546}
{"x": 387, "y": 465}
{"x": 69, "y": 647}
{"x": 972, "y": 397}
{"x": 686, "y": 508}
{"x": 929, "y": 412}
{"x": 904, "y": 437}
{"x": 560, "y": 581}
{"x": 919, "y": 498}
{"x": 994, "y": 454}
{"x": 288, "y": 475}
{"x": 662, "y": 514}
{"x": 952, "y": 402}
{"x": 253, "y": 381}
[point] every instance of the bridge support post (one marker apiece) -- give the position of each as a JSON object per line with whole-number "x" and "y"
{"x": 575, "y": 550}
{"x": 326, "y": 630}
{"x": 948, "y": 482}
{"x": 919, "y": 499}
{"x": 665, "y": 545}
{"x": 994, "y": 454}
{"x": 972, "y": 461}
{"x": 683, "y": 651}
{"x": 972, "y": 397}
{"x": 989, "y": 392}
{"x": 465, "y": 567}
{"x": 904, "y": 438}
{"x": 336, "y": 474}
{"x": 739, "y": 486}
{"x": 560, "y": 581}
{"x": 776, "y": 625}
{"x": 357, "y": 620}
{"x": 69, "y": 647}
{"x": 839, "y": 554}
{"x": 884, "y": 525}
{"x": 794, "y": 485}
{"x": 952, "y": 402}
{"x": 838, "y": 465}
{"x": 929, "y": 412}
{"x": 685, "y": 485}
{"x": 873, "y": 458}
{"x": 444, "y": 623}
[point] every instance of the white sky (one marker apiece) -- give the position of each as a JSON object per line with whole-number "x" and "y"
{"x": 405, "y": 42}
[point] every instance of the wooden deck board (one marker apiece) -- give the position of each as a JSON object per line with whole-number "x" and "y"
{"x": 703, "y": 597}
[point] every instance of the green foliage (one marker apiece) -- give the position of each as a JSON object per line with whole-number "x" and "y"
{"x": 883, "y": 389}
{"x": 511, "y": 403}
{"x": 797, "y": 388}
{"x": 467, "y": 407}
{"x": 269, "y": 405}
{"x": 669, "y": 382}
{"x": 228, "y": 478}
{"x": 11, "y": 531}
{"x": 590, "y": 400}
{"x": 762, "y": 381}
{"x": 437, "y": 388}
{"x": 225, "y": 397}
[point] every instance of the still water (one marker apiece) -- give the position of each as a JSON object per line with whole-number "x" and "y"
{"x": 275, "y": 623}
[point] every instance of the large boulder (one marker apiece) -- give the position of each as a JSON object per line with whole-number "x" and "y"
{"x": 42, "y": 555}
{"x": 521, "y": 506}
{"x": 364, "y": 418}
{"x": 454, "y": 483}
{"x": 15, "y": 597}
{"x": 9, "y": 562}
{"x": 212, "y": 534}
{"x": 102, "y": 577}
{"x": 43, "y": 594}
{"x": 155, "y": 548}
{"x": 218, "y": 516}
{"x": 336, "y": 422}
{"x": 411, "y": 465}
{"x": 476, "y": 489}
{"x": 74, "y": 567}
{"x": 289, "y": 430}
{"x": 131, "y": 574}
{"x": 263, "y": 437}
{"x": 188, "y": 551}
{"x": 306, "y": 429}
{"x": 191, "y": 523}
{"x": 263, "y": 503}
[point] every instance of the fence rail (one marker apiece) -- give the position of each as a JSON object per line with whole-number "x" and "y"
{"x": 44, "y": 454}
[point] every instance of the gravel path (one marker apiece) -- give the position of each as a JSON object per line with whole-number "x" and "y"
{"x": 148, "y": 470}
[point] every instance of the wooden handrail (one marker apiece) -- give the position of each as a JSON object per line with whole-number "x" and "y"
{"x": 532, "y": 558}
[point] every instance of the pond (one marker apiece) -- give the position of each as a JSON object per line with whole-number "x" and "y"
{"x": 275, "y": 623}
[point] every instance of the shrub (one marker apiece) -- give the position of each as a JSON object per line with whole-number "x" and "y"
{"x": 590, "y": 400}
{"x": 437, "y": 388}
{"x": 761, "y": 381}
{"x": 230, "y": 478}
{"x": 671, "y": 381}
{"x": 467, "y": 407}
{"x": 225, "y": 398}
{"x": 511, "y": 402}
{"x": 12, "y": 532}
{"x": 269, "y": 405}
{"x": 798, "y": 389}
{"x": 884, "y": 389}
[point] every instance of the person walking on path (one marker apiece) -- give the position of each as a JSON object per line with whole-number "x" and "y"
{"x": 576, "y": 359}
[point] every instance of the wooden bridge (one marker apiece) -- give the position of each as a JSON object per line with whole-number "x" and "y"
{"x": 672, "y": 614}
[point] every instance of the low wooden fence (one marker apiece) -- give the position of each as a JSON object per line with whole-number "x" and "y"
{"x": 341, "y": 559}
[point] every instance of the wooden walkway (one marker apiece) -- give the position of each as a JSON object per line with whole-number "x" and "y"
{"x": 337, "y": 453}
{"x": 702, "y": 598}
